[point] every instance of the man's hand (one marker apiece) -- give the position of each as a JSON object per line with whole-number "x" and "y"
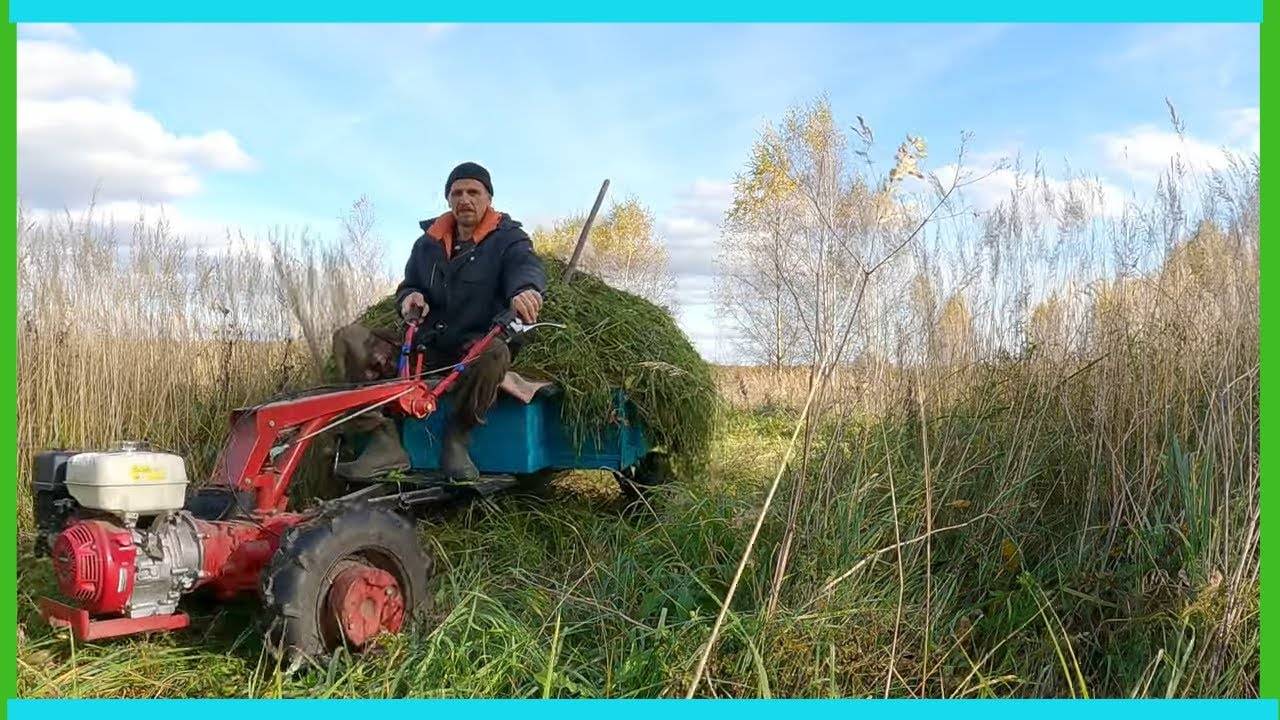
{"x": 527, "y": 304}
{"x": 413, "y": 307}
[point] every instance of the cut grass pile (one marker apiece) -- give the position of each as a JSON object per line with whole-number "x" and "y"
{"x": 612, "y": 341}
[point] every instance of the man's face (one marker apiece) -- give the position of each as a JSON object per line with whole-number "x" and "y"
{"x": 468, "y": 200}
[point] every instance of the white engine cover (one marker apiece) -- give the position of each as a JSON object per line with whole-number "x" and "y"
{"x": 127, "y": 480}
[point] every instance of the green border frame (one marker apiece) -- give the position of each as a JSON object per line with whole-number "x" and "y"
{"x": 1269, "y": 602}
{"x": 9, "y": 370}
{"x": 1269, "y": 347}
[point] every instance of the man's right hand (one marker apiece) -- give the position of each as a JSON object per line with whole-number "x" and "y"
{"x": 413, "y": 307}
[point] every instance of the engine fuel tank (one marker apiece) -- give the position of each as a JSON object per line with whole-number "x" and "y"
{"x": 127, "y": 480}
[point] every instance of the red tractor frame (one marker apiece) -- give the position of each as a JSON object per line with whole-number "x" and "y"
{"x": 339, "y": 574}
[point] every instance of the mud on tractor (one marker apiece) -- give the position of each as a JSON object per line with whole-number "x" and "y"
{"x": 129, "y": 542}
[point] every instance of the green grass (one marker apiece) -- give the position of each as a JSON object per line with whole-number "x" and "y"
{"x": 567, "y": 597}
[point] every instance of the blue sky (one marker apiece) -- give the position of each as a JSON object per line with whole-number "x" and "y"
{"x": 256, "y": 126}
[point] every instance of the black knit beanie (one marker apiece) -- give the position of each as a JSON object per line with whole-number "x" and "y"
{"x": 469, "y": 171}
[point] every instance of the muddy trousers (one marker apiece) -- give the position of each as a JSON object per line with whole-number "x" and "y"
{"x": 471, "y": 396}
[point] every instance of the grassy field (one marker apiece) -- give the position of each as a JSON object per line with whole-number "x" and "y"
{"x": 1073, "y": 518}
{"x": 1023, "y": 590}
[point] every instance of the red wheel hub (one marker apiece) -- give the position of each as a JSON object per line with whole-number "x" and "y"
{"x": 366, "y": 601}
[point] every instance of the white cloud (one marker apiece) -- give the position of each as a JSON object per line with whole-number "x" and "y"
{"x": 1146, "y": 152}
{"x": 685, "y": 226}
{"x": 1141, "y": 154}
{"x": 218, "y": 150}
{"x": 79, "y": 133}
{"x": 691, "y": 230}
{"x": 712, "y": 193}
{"x": 692, "y": 227}
{"x": 48, "y": 31}
{"x": 123, "y": 214}
{"x": 1243, "y": 128}
{"x": 713, "y": 342}
{"x": 694, "y": 290}
{"x": 200, "y": 233}
{"x": 48, "y": 69}
{"x": 989, "y": 188}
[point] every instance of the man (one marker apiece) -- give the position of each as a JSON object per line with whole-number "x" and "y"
{"x": 469, "y": 265}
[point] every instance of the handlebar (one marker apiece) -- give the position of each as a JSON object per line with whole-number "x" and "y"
{"x": 507, "y": 318}
{"x": 506, "y": 324}
{"x": 513, "y": 326}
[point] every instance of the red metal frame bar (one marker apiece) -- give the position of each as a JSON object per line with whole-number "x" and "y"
{"x": 476, "y": 350}
{"x": 248, "y": 451}
{"x": 407, "y": 349}
{"x": 235, "y": 551}
{"x": 249, "y": 466}
{"x": 83, "y": 628}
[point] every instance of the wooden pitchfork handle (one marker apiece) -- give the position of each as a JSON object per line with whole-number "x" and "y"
{"x": 582, "y": 237}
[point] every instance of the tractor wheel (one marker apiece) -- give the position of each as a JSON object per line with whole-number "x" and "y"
{"x": 536, "y": 483}
{"x": 342, "y": 579}
{"x": 653, "y": 470}
{"x": 636, "y": 482}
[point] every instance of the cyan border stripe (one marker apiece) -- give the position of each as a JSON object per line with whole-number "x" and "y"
{"x": 1112, "y": 11}
{"x": 1232, "y": 11}
{"x": 671, "y": 709}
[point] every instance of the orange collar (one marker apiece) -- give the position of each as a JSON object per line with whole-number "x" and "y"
{"x": 445, "y": 226}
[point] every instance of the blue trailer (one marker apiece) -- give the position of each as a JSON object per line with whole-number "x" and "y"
{"x": 527, "y": 444}
{"x": 525, "y": 439}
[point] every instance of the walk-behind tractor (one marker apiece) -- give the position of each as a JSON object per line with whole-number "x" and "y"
{"x": 128, "y": 541}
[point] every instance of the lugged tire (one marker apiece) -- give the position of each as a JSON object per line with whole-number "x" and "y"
{"x": 296, "y": 582}
{"x": 653, "y": 470}
{"x": 536, "y": 483}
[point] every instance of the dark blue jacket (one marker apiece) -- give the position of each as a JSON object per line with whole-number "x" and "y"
{"x": 466, "y": 290}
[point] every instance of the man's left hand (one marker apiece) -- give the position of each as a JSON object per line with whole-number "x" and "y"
{"x": 527, "y": 304}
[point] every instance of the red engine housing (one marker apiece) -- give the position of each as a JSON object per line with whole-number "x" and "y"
{"x": 94, "y": 563}
{"x": 237, "y": 551}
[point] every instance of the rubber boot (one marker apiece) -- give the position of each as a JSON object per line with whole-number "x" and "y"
{"x": 455, "y": 460}
{"x": 382, "y": 455}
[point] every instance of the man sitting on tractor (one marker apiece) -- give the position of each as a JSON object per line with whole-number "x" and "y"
{"x": 469, "y": 265}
